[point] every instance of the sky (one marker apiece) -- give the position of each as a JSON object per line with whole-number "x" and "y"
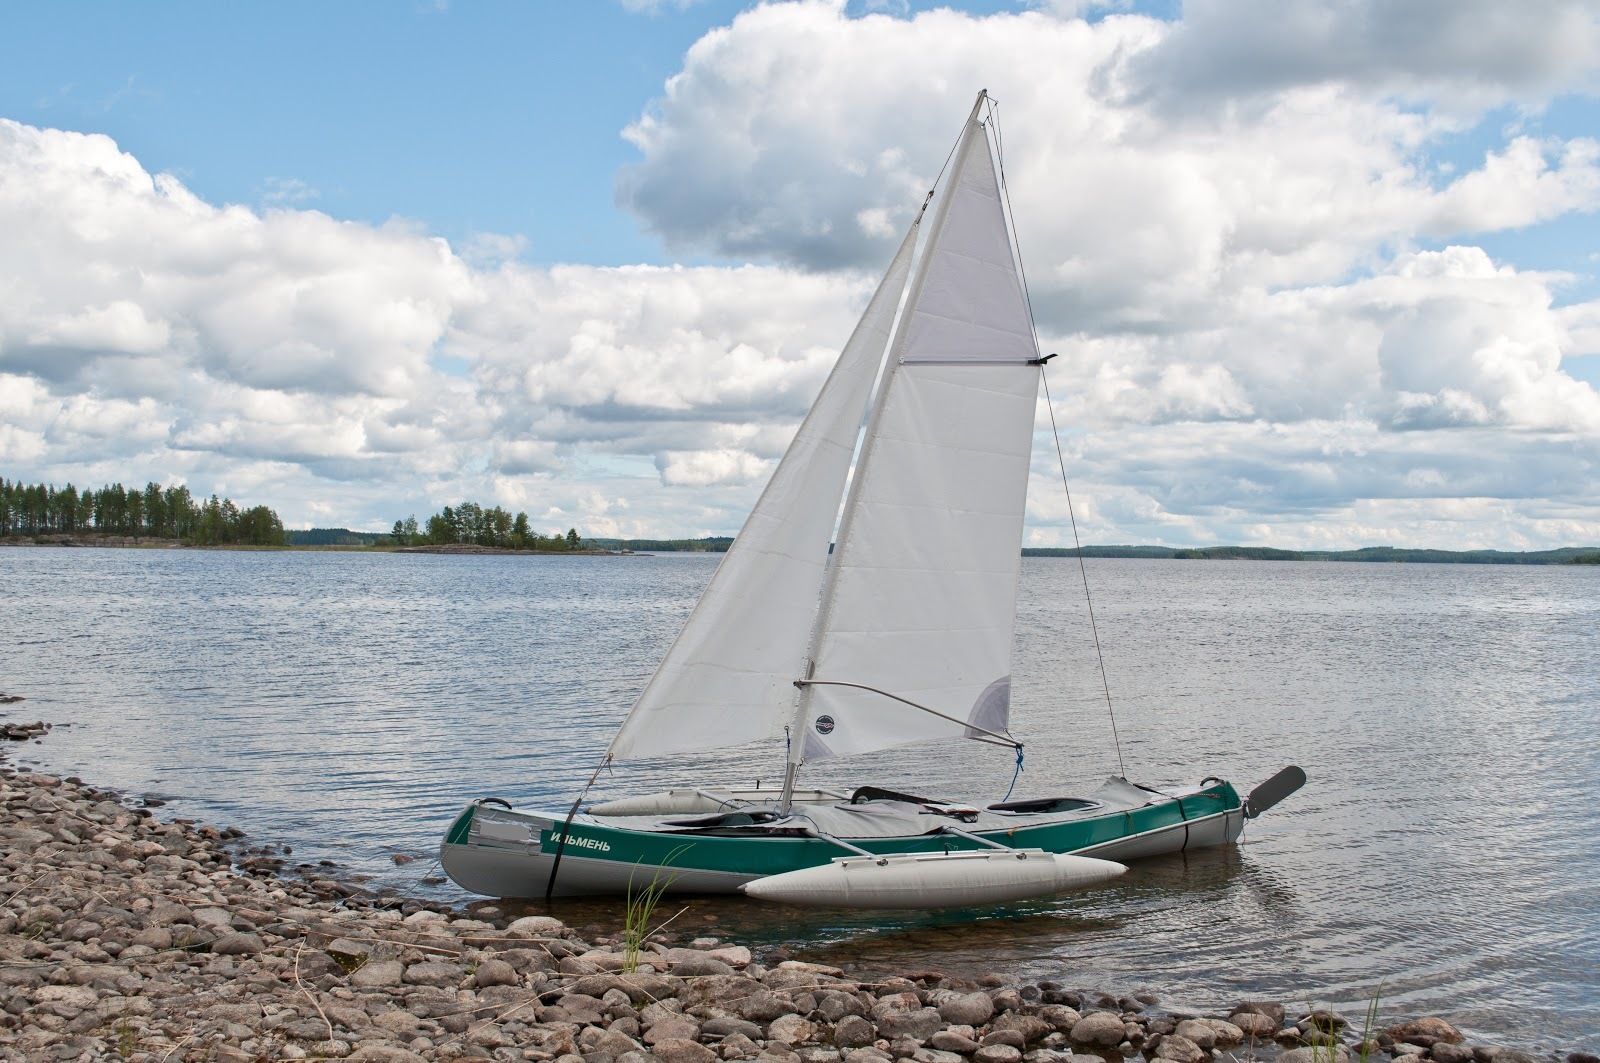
{"x": 1320, "y": 275}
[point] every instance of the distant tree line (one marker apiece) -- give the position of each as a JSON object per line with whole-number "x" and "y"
{"x": 156, "y": 512}
{"x": 714, "y": 544}
{"x": 1564, "y": 555}
{"x": 471, "y": 523}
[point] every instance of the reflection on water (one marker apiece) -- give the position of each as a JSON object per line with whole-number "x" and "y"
{"x": 349, "y": 705}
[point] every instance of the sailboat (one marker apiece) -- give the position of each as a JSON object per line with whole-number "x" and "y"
{"x": 901, "y": 633}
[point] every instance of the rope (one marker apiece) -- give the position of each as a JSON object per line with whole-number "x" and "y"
{"x": 561, "y": 846}
{"x": 1014, "y": 777}
{"x": 1022, "y": 275}
{"x": 1083, "y": 572}
{"x": 1011, "y": 221}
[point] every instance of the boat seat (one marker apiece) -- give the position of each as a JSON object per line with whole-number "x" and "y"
{"x": 1046, "y": 804}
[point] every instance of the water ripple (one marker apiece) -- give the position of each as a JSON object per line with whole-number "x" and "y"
{"x": 1444, "y": 848}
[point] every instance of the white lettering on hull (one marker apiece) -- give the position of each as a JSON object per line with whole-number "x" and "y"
{"x": 582, "y": 843}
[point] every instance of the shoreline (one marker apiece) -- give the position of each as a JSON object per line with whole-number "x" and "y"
{"x": 126, "y": 937}
{"x": 1562, "y": 557}
{"x": 128, "y": 542}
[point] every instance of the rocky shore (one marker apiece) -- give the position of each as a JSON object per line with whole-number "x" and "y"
{"x": 126, "y": 938}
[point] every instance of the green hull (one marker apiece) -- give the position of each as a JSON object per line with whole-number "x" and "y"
{"x": 510, "y": 853}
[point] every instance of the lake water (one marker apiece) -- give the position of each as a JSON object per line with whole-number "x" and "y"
{"x": 1445, "y": 848}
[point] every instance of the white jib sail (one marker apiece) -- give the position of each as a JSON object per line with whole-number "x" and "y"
{"x": 729, "y": 676}
{"x": 923, "y": 601}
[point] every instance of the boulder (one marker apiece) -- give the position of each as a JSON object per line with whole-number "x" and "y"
{"x": 1426, "y": 1032}
{"x": 967, "y": 1009}
{"x": 670, "y": 1028}
{"x": 1253, "y": 1024}
{"x": 1059, "y": 1016}
{"x": 918, "y": 1025}
{"x": 494, "y": 972}
{"x": 950, "y": 1041}
{"x": 727, "y": 1025}
{"x": 237, "y": 945}
{"x": 434, "y": 973}
{"x": 1031, "y": 1027}
{"x": 535, "y": 926}
{"x": 791, "y": 1030}
{"x": 682, "y": 1051}
{"x": 378, "y": 974}
{"x": 1179, "y": 1049}
{"x": 997, "y": 1053}
{"x": 1331, "y": 1054}
{"x": 1098, "y": 1028}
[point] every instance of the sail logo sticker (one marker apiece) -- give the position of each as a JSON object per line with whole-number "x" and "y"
{"x": 824, "y": 725}
{"x": 582, "y": 843}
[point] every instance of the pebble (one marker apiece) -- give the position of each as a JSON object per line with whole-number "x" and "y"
{"x": 123, "y": 937}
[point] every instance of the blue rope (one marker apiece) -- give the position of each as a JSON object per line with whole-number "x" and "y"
{"x": 1014, "y": 776}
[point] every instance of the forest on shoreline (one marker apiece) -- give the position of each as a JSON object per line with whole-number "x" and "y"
{"x": 39, "y": 511}
{"x": 155, "y": 512}
{"x": 1567, "y": 555}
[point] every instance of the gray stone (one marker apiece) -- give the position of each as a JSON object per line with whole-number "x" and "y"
{"x": 378, "y": 974}
{"x": 997, "y": 1053}
{"x": 699, "y": 965}
{"x": 791, "y": 1030}
{"x": 1338, "y": 1054}
{"x": 736, "y": 956}
{"x": 950, "y": 1041}
{"x": 682, "y": 1051}
{"x": 1254, "y": 1024}
{"x": 935, "y": 1055}
{"x": 1426, "y": 1032}
{"x": 817, "y": 1054}
{"x": 535, "y": 926}
{"x": 1031, "y": 1027}
{"x": 1197, "y": 1033}
{"x": 853, "y": 1031}
{"x": 1179, "y": 1049}
{"x": 1445, "y": 1052}
{"x": 434, "y": 973}
{"x": 237, "y": 945}
{"x": 738, "y": 1046}
{"x": 1271, "y": 1009}
{"x": 834, "y": 1005}
{"x": 967, "y": 1009}
{"x": 866, "y": 1055}
{"x": 1098, "y": 1028}
{"x": 495, "y": 972}
{"x": 1060, "y": 1016}
{"x": 727, "y": 1025}
{"x": 763, "y": 1006}
{"x": 918, "y": 1025}
{"x": 670, "y": 1028}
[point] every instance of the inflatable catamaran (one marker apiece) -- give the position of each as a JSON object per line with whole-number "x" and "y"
{"x": 903, "y": 634}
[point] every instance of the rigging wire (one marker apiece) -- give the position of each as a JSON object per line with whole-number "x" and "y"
{"x": 1083, "y": 572}
{"x": 993, "y": 121}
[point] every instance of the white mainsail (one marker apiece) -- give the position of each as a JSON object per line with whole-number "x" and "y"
{"x": 923, "y": 597}
{"x": 729, "y": 676}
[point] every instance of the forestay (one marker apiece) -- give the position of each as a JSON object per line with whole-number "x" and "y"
{"x": 729, "y": 676}
{"x": 924, "y": 597}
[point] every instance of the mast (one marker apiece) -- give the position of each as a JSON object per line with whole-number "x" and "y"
{"x": 798, "y": 732}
